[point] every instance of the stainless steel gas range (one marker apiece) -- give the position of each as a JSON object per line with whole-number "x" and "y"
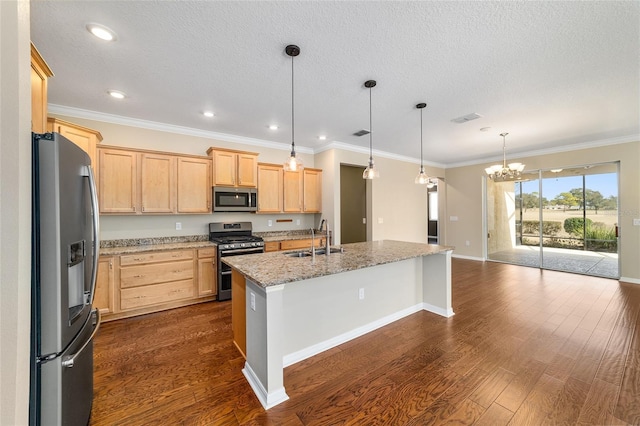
{"x": 233, "y": 239}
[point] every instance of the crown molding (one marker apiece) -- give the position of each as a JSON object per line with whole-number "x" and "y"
{"x": 376, "y": 153}
{"x": 170, "y": 128}
{"x": 553, "y": 150}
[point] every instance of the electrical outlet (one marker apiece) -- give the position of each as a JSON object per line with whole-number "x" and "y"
{"x": 361, "y": 294}
{"x": 253, "y": 301}
{"x": 636, "y": 222}
{"x": 297, "y": 221}
{"x": 467, "y": 243}
{"x": 269, "y": 222}
{"x": 380, "y": 220}
{"x": 178, "y": 226}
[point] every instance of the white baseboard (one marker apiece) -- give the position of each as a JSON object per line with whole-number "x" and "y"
{"x": 438, "y": 310}
{"x": 312, "y": 350}
{"x": 460, "y": 256}
{"x": 629, "y": 280}
{"x": 267, "y": 400}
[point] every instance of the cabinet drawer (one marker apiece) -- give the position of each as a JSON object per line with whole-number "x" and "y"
{"x": 300, "y": 244}
{"x": 207, "y": 252}
{"x": 160, "y": 256}
{"x": 271, "y": 246}
{"x": 131, "y": 298}
{"x": 134, "y": 276}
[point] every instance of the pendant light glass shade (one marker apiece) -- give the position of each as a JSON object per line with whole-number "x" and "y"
{"x": 293, "y": 163}
{"x": 422, "y": 178}
{"x": 504, "y": 172}
{"x": 370, "y": 172}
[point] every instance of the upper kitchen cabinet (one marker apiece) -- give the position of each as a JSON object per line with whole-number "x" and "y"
{"x": 292, "y": 192}
{"x": 117, "y": 181}
{"x": 234, "y": 168}
{"x": 148, "y": 182}
{"x": 270, "y": 184}
{"x": 157, "y": 183}
{"x": 194, "y": 188}
{"x": 85, "y": 138}
{"x": 312, "y": 190}
{"x": 40, "y": 73}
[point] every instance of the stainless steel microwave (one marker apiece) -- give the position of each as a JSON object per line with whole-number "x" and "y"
{"x": 229, "y": 199}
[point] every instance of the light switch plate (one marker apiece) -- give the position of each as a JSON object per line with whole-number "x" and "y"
{"x": 636, "y": 222}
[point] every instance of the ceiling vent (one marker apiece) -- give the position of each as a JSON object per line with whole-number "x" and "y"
{"x": 466, "y": 118}
{"x": 361, "y": 132}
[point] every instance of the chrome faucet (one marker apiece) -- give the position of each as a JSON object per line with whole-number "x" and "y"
{"x": 313, "y": 246}
{"x": 327, "y": 248}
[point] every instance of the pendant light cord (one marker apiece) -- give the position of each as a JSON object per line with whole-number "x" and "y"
{"x": 370, "y": 131}
{"x": 293, "y": 144}
{"x": 421, "y": 161}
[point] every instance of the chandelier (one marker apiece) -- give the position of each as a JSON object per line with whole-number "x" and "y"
{"x": 503, "y": 172}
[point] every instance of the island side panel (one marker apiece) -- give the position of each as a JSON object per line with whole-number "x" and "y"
{"x": 264, "y": 325}
{"x": 436, "y": 271}
{"x": 324, "y": 312}
{"x": 238, "y": 311}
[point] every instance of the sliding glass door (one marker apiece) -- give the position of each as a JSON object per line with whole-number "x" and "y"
{"x": 563, "y": 219}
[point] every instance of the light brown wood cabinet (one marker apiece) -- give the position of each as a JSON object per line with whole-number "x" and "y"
{"x": 157, "y": 183}
{"x": 103, "y": 298}
{"x": 117, "y": 181}
{"x": 270, "y": 184}
{"x": 85, "y": 138}
{"x": 194, "y": 185}
{"x": 271, "y": 246}
{"x": 135, "y": 284}
{"x": 234, "y": 168}
{"x": 156, "y": 278}
{"x": 300, "y": 244}
{"x": 292, "y": 192}
{"x": 40, "y": 73}
{"x": 312, "y": 190}
{"x": 148, "y": 182}
{"x": 207, "y": 276}
{"x": 302, "y": 191}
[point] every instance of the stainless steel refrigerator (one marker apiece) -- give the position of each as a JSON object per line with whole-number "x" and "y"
{"x": 64, "y": 268}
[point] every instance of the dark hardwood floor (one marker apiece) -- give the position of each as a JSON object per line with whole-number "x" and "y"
{"x": 525, "y": 347}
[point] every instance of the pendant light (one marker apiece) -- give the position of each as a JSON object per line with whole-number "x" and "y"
{"x": 503, "y": 172}
{"x": 422, "y": 178}
{"x": 293, "y": 163}
{"x": 370, "y": 172}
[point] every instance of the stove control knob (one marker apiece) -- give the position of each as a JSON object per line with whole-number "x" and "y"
{"x": 242, "y": 245}
{"x": 232, "y": 246}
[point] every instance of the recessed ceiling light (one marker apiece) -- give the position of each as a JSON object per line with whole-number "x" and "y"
{"x": 485, "y": 129}
{"x": 102, "y": 32}
{"x": 208, "y": 114}
{"x": 273, "y": 127}
{"x": 116, "y": 94}
{"x": 322, "y": 138}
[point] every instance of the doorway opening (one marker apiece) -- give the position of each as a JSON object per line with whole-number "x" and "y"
{"x": 353, "y": 205}
{"x": 559, "y": 219}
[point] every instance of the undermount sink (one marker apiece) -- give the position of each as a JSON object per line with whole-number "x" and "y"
{"x": 332, "y": 250}
{"x": 298, "y": 254}
{"x": 319, "y": 251}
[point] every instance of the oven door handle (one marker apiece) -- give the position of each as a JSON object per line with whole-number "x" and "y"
{"x": 242, "y": 251}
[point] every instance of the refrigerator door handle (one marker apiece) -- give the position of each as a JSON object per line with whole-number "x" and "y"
{"x": 69, "y": 360}
{"x": 96, "y": 231}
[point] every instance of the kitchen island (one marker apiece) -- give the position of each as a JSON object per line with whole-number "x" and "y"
{"x": 297, "y": 307}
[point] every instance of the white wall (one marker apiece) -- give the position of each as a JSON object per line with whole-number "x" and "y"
{"x": 15, "y": 212}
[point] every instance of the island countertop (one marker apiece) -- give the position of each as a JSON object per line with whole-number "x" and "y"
{"x": 269, "y": 269}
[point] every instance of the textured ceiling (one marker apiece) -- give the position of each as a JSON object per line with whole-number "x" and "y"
{"x": 550, "y": 73}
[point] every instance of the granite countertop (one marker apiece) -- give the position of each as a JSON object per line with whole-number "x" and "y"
{"x": 269, "y": 269}
{"x": 139, "y": 245}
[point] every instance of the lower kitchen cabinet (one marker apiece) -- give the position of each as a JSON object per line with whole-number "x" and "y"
{"x": 300, "y": 244}
{"x": 103, "y": 298}
{"x": 154, "y": 281}
{"x": 207, "y": 276}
